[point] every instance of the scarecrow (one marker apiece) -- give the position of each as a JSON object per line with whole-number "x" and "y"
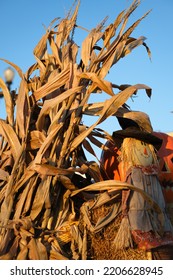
{"x": 134, "y": 160}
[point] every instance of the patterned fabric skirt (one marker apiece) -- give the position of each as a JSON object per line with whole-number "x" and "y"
{"x": 150, "y": 240}
{"x": 149, "y": 231}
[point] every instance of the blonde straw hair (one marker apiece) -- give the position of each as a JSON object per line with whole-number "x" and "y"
{"x": 127, "y": 153}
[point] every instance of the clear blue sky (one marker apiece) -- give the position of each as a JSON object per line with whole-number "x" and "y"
{"x": 21, "y": 27}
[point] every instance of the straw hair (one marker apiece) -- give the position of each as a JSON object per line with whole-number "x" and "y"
{"x": 128, "y": 152}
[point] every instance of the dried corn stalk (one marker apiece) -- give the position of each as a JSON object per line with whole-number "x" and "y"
{"x": 42, "y": 150}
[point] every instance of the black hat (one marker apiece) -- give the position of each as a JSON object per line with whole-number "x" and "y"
{"x": 134, "y": 132}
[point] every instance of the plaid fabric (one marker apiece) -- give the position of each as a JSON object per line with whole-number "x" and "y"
{"x": 150, "y": 240}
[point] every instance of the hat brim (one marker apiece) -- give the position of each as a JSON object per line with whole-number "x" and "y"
{"x": 139, "y": 135}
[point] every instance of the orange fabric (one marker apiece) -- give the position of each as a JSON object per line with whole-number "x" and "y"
{"x": 112, "y": 167}
{"x": 166, "y": 165}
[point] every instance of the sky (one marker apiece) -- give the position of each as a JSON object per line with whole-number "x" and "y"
{"x": 22, "y": 26}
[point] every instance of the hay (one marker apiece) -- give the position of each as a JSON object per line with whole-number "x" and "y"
{"x": 100, "y": 244}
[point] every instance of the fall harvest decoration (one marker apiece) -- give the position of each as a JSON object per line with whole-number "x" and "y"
{"x": 136, "y": 162}
{"x": 45, "y": 177}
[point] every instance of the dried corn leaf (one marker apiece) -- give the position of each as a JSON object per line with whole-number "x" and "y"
{"x": 69, "y": 53}
{"x": 28, "y": 202}
{"x": 115, "y": 185}
{"x": 8, "y": 102}
{"x": 4, "y": 175}
{"x": 40, "y": 197}
{"x": 94, "y": 172}
{"x": 88, "y": 46}
{"x": 28, "y": 173}
{"x": 49, "y": 170}
{"x": 55, "y": 51}
{"x": 93, "y": 109}
{"x": 42, "y": 69}
{"x": 46, "y": 144}
{"x": 134, "y": 25}
{"x": 64, "y": 210}
{"x": 101, "y": 84}
{"x": 21, "y": 202}
{"x": 96, "y": 142}
{"x": 58, "y": 81}
{"x": 41, "y": 250}
{"x": 9, "y": 134}
{"x": 55, "y": 255}
{"x": 11, "y": 255}
{"x": 23, "y": 250}
{"x": 51, "y": 103}
{"x": 41, "y": 47}
{"x": 76, "y": 239}
{"x": 17, "y": 68}
{"x": 30, "y": 70}
{"x": 112, "y": 56}
{"x": 22, "y": 109}
{"x": 6, "y": 237}
{"x": 126, "y": 16}
{"x": 88, "y": 147}
{"x": 66, "y": 182}
{"x": 110, "y": 107}
{"x": 135, "y": 43}
{"x": 111, "y": 29}
{"x": 33, "y": 251}
{"x": 36, "y": 139}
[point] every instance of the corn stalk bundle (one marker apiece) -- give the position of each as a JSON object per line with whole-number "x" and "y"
{"x": 43, "y": 165}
